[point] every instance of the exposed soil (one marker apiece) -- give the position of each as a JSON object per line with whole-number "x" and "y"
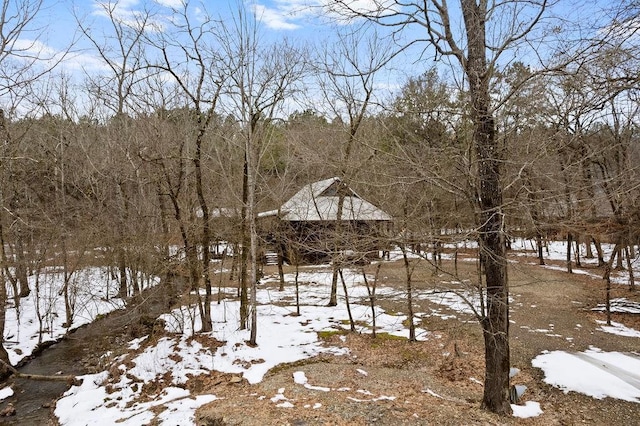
{"x": 390, "y": 381}
{"x": 432, "y": 380}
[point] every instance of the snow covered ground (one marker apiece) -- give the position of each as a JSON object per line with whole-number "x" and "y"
{"x": 557, "y": 250}
{"x": 282, "y": 337}
{"x": 40, "y": 316}
{"x": 593, "y": 372}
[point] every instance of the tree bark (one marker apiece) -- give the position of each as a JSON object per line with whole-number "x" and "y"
{"x": 569, "y": 244}
{"x": 21, "y": 265}
{"x": 252, "y": 164}
{"x": 408, "y": 272}
{"x": 4, "y": 356}
{"x": 244, "y": 254}
{"x": 495, "y": 323}
{"x": 206, "y": 231}
{"x": 607, "y": 277}
{"x": 539, "y": 246}
{"x": 337, "y": 246}
{"x": 632, "y": 280}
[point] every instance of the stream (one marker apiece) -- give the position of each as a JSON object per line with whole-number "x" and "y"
{"x": 77, "y": 354}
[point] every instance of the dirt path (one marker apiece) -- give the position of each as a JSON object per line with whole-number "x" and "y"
{"x": 426, "y": 383}
{"x": 552, "y": 311}
{"x": 390, "y": 381}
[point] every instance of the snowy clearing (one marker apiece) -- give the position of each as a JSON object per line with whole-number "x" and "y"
{"x": 121, "y": 395}
{"x": 41, "y": 315}
{"x": 593, "y": 372}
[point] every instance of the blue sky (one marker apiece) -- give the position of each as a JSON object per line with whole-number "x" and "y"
{"x": 295, "y": 19}
{"x": 300, "y": 21}
{"x": 303, "y": 21}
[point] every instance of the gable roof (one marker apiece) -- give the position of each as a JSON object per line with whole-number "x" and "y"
{"x": 318, "y": 201}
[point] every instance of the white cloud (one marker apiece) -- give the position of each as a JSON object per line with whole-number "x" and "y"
{"x": 278, "y": 19}
{"x": 125, "y": 12}
{"x": 83, "y": 61}
{"x": 283, "y": 14}
{"x": 173, "y": 4}
{"x": 135, "y": 15}
{"x": 34, "y": 48}
{"x": 348, "y": 10}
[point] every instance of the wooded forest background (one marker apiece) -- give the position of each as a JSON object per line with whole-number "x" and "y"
{"x": 139, "y": 166}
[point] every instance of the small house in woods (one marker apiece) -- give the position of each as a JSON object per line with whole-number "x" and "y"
{"x": 314, "y": 225}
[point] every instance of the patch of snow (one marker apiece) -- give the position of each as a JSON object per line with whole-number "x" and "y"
{"x": 432, "y": 393}
{"x": 279, "y": 396}
{"x": 529, "y": 409}
{"x": 620, "y": 305}
{"x": 380, "y": 398}
{"x": 182, "y": 411}
{"x": 300, "y": 378}
{"x": 593, "y": 372}
{"x": 282, "y": 337}
{"x": 93, "y": 293}
{"x": 618, "y": 329}
{"x": 5, "y": 393}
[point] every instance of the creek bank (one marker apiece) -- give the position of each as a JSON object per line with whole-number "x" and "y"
{"x": 77, "y": 353}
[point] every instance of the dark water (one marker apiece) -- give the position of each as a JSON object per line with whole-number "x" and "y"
{"x": 77, "y": 354}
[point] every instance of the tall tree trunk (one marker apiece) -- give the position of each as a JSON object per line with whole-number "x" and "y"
{"x": 4, "y": 267}
{"x": 21, "y": 265}
{"x": 4, "y": 356}
{"x": 371, "y": 291}
{"x": 190, "y": 249}
{"x": 352, "y": 323}
{"x": 495, "y": 323}
{"x": 280, "y": 268}
{"x": 244, "y": 254}
{"x": 598, "y": 246}
{"x": 619, "y": 265}
{"x": 68, "y": 305}
{"x": 607, "y": 277}
{"x": 539, "y": 245}
{"x": 122, "y": 268}
{"x": 408, "y": 273}
{"x": 121, "y": 251}
{"x": 587, "y": 245}
{"x": 297, "y": 285}
{"x": 337, "y": 246}
{"x": 252, "y": 165}
{"x": 569, "y": 246}
{"x": 168, "y": 280}
{"x": 632, "y": 279}
{"x": 205, "y": 241}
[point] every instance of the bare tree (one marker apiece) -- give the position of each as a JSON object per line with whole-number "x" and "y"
{"x": 347, "y": 74}
{"x": 19, "y": 67}
{"x": 120, "y": 50}
{"x": 262, "y": 77}
{"x": 476, "y": 36}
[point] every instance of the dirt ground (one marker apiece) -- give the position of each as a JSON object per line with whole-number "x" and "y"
{"x": 389, "y": 381}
